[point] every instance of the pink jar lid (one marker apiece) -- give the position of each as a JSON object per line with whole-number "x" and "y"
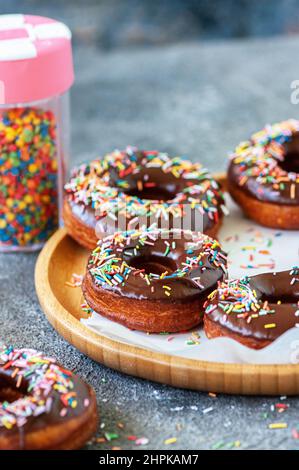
{"x": 35, "y": 58}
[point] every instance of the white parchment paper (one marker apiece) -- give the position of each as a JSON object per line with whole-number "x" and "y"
{"x": 251, "y": 249}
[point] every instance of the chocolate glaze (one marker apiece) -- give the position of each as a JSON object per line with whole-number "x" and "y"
{"x": 53, "y": 417}
{"x": 167, "y": 185}
{"x": 152, "y": 258}
{"x": 271, "y": 287}
{"x": 266, "y": 192}
{"x": 291, "y": 147}
{"x": 262, "y": 192}
{"x": 166, "y": 188}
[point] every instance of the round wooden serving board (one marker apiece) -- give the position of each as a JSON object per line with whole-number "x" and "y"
{"x": 61, "y": 257}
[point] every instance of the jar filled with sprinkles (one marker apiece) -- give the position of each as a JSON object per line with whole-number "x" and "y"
{"x": 36, "y": 72}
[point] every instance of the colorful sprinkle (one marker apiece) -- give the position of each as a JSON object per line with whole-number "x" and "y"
{"x": 28, "y": 177}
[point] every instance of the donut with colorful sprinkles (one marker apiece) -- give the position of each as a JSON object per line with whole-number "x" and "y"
{"x": 131, "y": 188}
{"x": 42, "y": 405}
{"x": 263, "y": 176}
{"x": 254, "y": 310}
{"x": 153, "y": 280}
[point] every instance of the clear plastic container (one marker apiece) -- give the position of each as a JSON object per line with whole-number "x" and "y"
{"x": 34, "y": 133}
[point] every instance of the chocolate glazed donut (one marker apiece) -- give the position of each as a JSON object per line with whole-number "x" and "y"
{"x": 153, "y": 280}
{"x": 263, "y": 176}
{"x": 129, "y": 189}
{"x": 42, "y": 405}
{"x": 254, "y": 310}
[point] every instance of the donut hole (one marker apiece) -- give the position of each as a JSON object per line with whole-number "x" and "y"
{"x": 154, "y": 264}
{"x": 291, "y": 157}
{"x": 9, "y": 394}
{"x": 155, "y": 193}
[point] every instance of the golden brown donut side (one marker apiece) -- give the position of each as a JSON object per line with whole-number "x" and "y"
{"x": 82, "y": 233}
{"x": 151, "y": 316}
{"x": 265, "y": 213}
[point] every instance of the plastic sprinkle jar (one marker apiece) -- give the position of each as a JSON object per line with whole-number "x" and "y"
{"x": 36, "y": 72}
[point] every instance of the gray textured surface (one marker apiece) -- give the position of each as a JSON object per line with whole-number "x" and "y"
{"x": 199, "y": 100}
{"x": 190, "y": 99}
{"x": 126, "y": 23}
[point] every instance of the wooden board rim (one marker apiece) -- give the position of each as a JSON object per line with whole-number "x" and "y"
{"x": 250, "y": 379}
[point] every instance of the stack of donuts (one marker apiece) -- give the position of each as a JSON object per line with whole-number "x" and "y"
{"x": 151, "y": 271}
{"x": 156, "y": 273}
